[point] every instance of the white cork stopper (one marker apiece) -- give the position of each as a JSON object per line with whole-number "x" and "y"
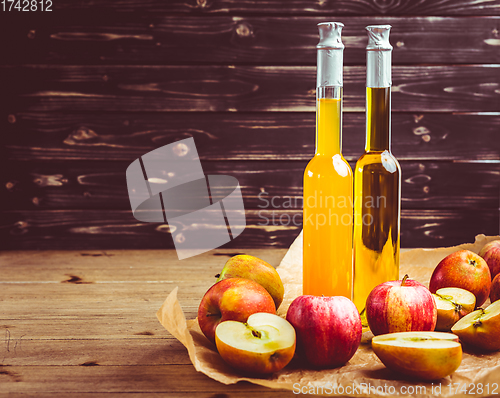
{"x": 330, "y": 54}
{"x": 378, "y": 56}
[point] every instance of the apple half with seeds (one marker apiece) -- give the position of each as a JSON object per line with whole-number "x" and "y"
{"x": 481, "y": 328}
{"x": 452, "y": 303}
{"x": 263, "y": 345}
{"x": 421, "y": 355}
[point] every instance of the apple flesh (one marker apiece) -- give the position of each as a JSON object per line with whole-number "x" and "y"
{"x": 466, "y": 270}
{"x": 491, "y": 254}
{"x": 264, "y": 344}
{"x": 400, "y": 306}
{"x": 481, "y": 328}
{"x": 250, "y": 267}
{"x": 328, "y": 329}
{"x": 452, "y": 304}
{"x": 495, "y": 289}
{"x": 421, "y": 355}
{"x": 232, "y": 299}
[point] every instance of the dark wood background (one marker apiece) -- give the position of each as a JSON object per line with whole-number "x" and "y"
{"x": 92, "y": 85}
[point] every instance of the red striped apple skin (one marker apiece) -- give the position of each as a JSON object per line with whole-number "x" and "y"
{"x": 400, "y": 306}
{"x": 328, "y": 329}
{"x": 233, "y": 299}
{"x": 491, "y": 254}
{"x": 466, "y": 270}
{"x": 495, "y": 289}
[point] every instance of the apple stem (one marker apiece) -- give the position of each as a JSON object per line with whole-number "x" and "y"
{"x": 217, "y": 276}
{"x": 404, "y": 280}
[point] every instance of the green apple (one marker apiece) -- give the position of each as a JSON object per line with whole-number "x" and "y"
{"x": 421, "y": 355}
{"x": 232, "y": 299}
{"x": 263, "y": 345}
{"x": 250, "y": 267}
{"x": 481, "y": 328}
{"x": 452, "y": 304}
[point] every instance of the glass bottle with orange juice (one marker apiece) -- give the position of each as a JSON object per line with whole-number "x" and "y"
{"x": 328, "y": 181}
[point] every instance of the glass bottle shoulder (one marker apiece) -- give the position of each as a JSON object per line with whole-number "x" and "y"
{"x": 383, "y": 161}
{"x": 327, "y": 165}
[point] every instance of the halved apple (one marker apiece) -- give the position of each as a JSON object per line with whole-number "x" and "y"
{"x": 262, "y": 345}
{"x": 452, "y": 304}
{"x": 481, "y": 328}
{"x": 421, "y": 355}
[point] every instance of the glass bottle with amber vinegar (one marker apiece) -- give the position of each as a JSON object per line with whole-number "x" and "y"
{"x": 377, "y": 179}
{"x": 327, "y": 224}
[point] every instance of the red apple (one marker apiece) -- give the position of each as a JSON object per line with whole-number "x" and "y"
{"x": 264, "y": 344}
{"x": 233, "y": 299}
{"x": 452, "y": 304}
{"x": 466, "y": 270}
{"x": 495, "y": 289}
{"x": 491, "y": 254}
{"x": 400, "y": 306}
{"x": 420, "y": 355}
{"x": 480, "y": 328}
{"x": 328, "y": 329}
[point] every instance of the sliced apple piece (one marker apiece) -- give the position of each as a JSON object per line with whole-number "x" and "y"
{"x": 453, "y": 303}
{"x": 481, "y": 328}
{"x": 262, "y": 345}
{"x": 421, "y": 355}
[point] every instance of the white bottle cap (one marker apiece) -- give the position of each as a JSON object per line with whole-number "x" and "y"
{"x": 330, "y": 54}
{"x": 378, "y": 56}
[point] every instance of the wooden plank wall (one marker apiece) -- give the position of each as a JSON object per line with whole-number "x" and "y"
{"x": 92, "y": 85}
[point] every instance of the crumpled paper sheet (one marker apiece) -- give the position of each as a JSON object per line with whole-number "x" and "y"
{"x": 364, "y": 369}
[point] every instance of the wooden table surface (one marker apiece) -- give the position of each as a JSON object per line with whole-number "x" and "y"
{"x": 83, "y": 323}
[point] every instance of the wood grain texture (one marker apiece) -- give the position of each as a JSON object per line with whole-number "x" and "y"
{"x": 239, "y": 136}
{"x": 293, "y": 7}
{"x": 102, "y": 185}
{"x": 108, "y": 229}
{"x": 45, "y": 88}
{"x": 136, "y": 38}
{"x": 157, "y": 276}
{"x": 124, "y": 379}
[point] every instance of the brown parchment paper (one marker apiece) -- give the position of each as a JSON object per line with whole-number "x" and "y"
{"x": 364, "y": 374}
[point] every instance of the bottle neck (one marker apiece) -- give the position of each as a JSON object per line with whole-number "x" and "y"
{"x": 378, "y": 119}
{"x": 328, "y": 120}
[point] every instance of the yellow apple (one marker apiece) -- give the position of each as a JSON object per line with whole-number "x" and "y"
{"x": 250, "y": 267}
{"x": 452, "y": 304}
{"x": 263, "y": 345}
{"x": 421, "y": 355}
{"x": 481, "y": 328}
